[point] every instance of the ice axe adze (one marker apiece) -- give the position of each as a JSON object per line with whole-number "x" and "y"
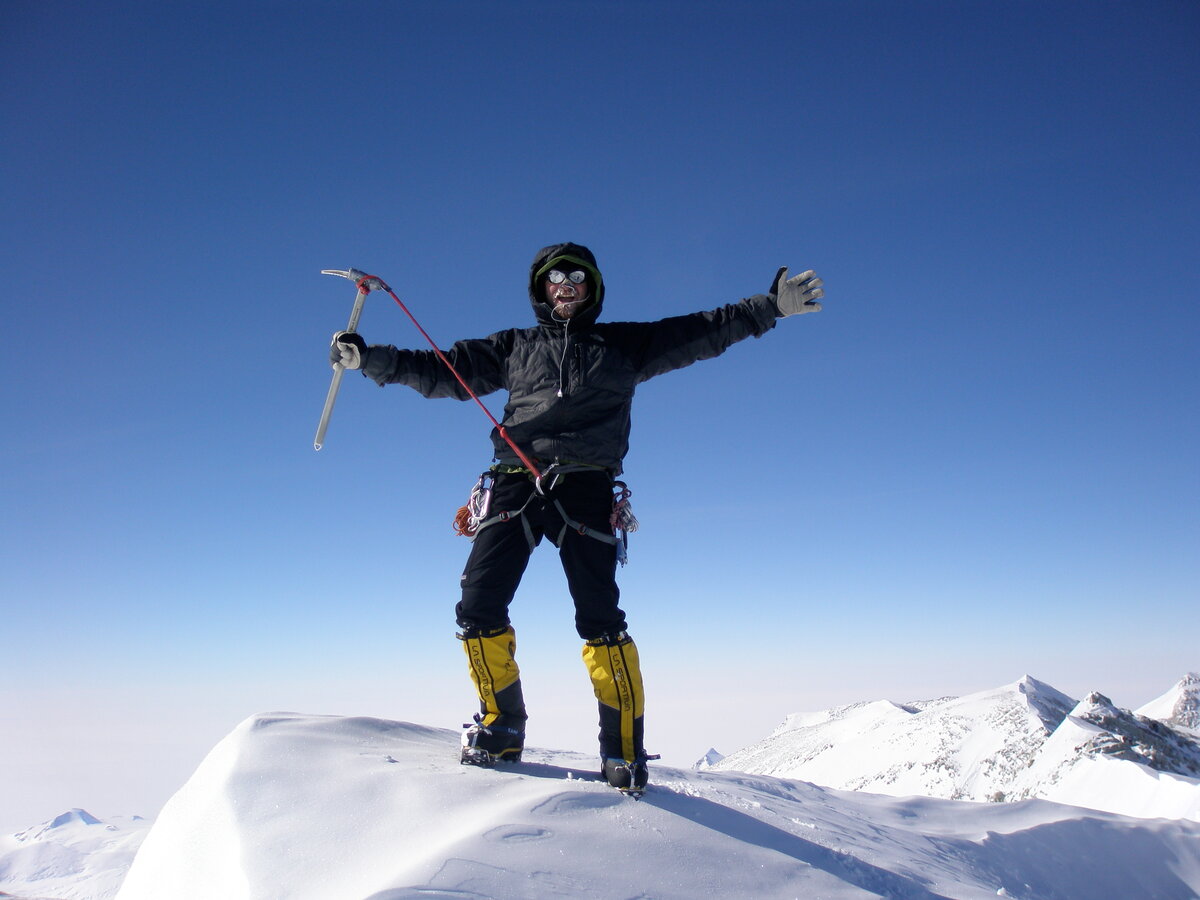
{"x": 366, "y": 284}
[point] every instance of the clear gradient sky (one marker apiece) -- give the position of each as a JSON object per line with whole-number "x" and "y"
{"x": 979, "y": 461}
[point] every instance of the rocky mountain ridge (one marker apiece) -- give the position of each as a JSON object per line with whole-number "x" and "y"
{"x": 1016, "y": 742}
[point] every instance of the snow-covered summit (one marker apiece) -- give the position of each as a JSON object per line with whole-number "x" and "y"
{"x": 61, "y": 823}
{"x": 1178, "y": 707}
{"x": 321, "y": 806}
{"x": 1022, "y": 740}
{"x": 1048, "y": 703}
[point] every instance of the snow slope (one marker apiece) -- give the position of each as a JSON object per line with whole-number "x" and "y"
{"x": 1016, "y": 742}
{"x": 296, "y": 806}
{"x": 74, "y": 857}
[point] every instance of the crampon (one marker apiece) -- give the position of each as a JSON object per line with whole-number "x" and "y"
{"x": 486, "y": 745}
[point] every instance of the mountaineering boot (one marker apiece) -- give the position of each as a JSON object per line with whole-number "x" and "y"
{"x": 616, "y": 673}
{"x": 485, "y": 745}
{"x": 499, "y": 729}
{"x": 630, "y": 778}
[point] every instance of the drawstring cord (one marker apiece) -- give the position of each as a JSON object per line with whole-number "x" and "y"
{"x": 562, "y": 360}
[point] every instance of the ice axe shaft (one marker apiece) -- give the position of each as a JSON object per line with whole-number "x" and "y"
{"x": 366, "y": 284}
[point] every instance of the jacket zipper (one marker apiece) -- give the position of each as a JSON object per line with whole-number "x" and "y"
{"x": 562, "y": 360}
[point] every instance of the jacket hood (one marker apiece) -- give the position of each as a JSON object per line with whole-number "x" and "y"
{"x": 580, "y": 257}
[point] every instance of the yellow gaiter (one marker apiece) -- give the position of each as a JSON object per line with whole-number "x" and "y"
{"x": 491, "y": 656}
{"x": 616, "y": 673}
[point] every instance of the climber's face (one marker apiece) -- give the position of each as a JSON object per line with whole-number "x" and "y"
{"x": 566, "y": 290}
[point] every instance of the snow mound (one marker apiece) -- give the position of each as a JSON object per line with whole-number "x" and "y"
{"x": 75, "y": 856}
{"x": 317, "y": 806}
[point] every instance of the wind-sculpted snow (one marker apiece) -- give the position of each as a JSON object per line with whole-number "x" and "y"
{"x": 1016, "y": 742}
{"x": 324, "y": 807}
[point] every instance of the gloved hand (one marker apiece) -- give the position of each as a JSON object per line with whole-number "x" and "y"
{"x": 798, "y": 294}
{"x": 347, "y": 350}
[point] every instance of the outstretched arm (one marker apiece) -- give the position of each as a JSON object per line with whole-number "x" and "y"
{"x": 679, "y": 341}
{"x": 479, "y": 362}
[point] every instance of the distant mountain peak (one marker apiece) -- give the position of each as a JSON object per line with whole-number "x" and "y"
{"x": 1050, "y": 704}
{"x": 74, "y": 815}
{"x": 709, "y": 759}
{"x": 63, "y": 822}
{"x": 1178, "y": 707}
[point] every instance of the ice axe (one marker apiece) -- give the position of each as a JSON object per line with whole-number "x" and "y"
{"x": 365, "y": 284}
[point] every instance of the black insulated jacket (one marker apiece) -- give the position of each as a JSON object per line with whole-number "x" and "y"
{"x": 570, "y": 382}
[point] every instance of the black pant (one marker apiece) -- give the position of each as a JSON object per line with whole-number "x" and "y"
{"x": 501, "y": 552}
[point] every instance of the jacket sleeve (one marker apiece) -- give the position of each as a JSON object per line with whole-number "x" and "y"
{"x": 658, "y": 347}
{"x": 480, "y": 362}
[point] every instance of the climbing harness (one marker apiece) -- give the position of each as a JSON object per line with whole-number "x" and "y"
{"x": 474, "y": 516}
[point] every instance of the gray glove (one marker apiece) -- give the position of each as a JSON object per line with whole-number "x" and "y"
{"x": 798, "y": 294}
{"x": 347, "y": 350}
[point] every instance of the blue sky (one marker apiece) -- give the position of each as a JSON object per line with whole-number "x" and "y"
{"x": 978, "y": 461}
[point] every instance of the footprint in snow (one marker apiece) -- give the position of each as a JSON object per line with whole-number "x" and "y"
{"x": 573, "y": 801}
{"x": 517, "y": 834}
